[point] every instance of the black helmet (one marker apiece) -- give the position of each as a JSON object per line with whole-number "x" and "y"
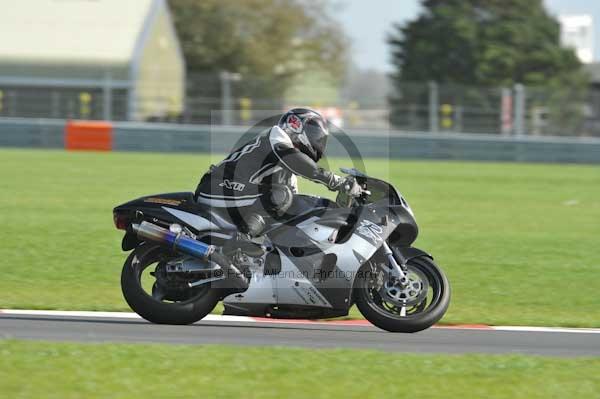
{"x": 307, "y": 129}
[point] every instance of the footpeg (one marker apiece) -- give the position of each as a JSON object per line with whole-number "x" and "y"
{"x": 244, "y": 244}
{"x": 205, "y": 281}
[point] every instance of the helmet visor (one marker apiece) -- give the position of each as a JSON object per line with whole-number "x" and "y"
{"x": 317, "y": 134}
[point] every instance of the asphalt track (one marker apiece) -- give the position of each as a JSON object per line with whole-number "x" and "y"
{"x": 128, "y": 328}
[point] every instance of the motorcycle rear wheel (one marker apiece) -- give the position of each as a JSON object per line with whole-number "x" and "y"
{"x": 388, "y": 315}
{"x": 186, "y": 311}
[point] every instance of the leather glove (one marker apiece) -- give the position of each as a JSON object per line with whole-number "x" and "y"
{"x": 350, "y": 187}
{"x": 346, "y": 185}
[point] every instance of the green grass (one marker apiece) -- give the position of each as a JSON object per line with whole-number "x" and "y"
{"x": 520, "y": 243}
{"x": 51, "y": 370}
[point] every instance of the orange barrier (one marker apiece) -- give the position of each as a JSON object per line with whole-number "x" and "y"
{"x": 88, "y": 135}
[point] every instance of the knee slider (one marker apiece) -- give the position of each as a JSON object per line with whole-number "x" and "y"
{"x": 279, "y": 199}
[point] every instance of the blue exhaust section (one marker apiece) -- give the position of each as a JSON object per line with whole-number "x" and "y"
{"x": 192, "y": 247}
{"x": 178, "y": 242}
{"x": 186, "y": 245}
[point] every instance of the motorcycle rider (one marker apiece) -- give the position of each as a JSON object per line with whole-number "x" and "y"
{"x": 258, "y": 180}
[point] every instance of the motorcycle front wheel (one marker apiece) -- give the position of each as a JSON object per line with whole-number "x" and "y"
{"x": 157, "y": 302}
{"x": 414, "y": 307}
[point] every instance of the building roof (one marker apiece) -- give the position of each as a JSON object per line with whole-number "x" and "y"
{"x": 45, "y": 36}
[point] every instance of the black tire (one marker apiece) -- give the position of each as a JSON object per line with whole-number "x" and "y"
{"x": 151, "y": 309}
{"x": 419, "y": 321}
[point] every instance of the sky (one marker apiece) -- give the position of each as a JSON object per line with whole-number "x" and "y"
{"x": 368, "y": 23}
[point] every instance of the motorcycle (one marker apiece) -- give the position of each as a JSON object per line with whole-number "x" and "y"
{"x": 313, "y": 265}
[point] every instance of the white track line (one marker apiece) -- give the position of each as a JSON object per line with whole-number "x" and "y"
{"x": 112, "y": 315}
{"x": 548, "y": 329}
{"x": 245, "y": 319}
{"x": 60, "y": 313}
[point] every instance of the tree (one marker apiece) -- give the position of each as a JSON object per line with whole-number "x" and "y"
{"x": 269, "y": 42}
{"x": 488, "y": 43}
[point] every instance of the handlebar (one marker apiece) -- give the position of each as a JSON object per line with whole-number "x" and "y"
{"x": 347, "y": 200}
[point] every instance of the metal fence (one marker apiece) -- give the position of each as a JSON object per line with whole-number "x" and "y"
{"x": 229, "y": 99}
{"x": 161, "y": 137}
{"x": 511, "y": 111}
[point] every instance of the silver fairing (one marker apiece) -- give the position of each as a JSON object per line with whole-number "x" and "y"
{"x": 292, "y": 286}
{"x": 197, "y": 222}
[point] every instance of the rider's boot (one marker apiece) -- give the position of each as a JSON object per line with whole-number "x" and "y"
{"x": 245, "y": 243}
{"x": 252, "y": 227}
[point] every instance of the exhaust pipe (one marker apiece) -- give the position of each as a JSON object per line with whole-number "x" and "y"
{"x": 189, "y": 246}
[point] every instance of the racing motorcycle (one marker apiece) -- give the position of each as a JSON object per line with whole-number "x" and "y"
{"x": 313, "y": 265}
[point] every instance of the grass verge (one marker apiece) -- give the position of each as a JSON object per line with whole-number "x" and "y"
{"x": 57, "y": 370}
{"x": 519, "y": 242}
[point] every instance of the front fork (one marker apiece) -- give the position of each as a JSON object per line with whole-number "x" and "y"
{"x": 397, "y": 272}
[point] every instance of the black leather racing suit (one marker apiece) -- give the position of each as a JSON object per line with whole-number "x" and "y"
{"x": 250, "y": 173}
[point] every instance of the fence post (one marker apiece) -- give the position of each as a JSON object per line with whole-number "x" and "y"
{"x": 226, "y": 97}
{"x": 12, "y": 103}
{"x": 107, "y": 97}
{"x": 506, "y": 111}
{"x": 186, "y": 109}
{"x": 55, "y": 104}
{"x": 519, "y": 126}
{"x": 434, "y": 106}
{"x": 458, "y": 118}
{"x": 132, "y": 101}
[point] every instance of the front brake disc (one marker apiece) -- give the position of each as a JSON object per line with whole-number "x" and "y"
{"x": 412, "y": 294}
